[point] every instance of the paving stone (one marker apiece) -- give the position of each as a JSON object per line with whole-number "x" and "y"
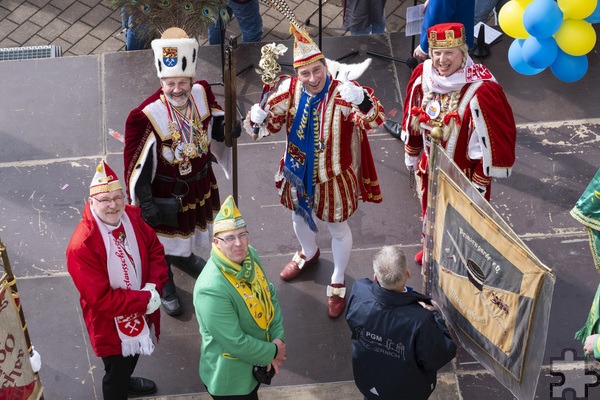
{"x": 304, "y": 10}
{"x": 6, "y": 27}
{"x": 7, "y": 43}
{"x": 96, "y": 15}
{"x": 62, "y": 4}
{"x": 64, "y": 45}
{"x": 107, "y": 29}
{"x": 22, "y": 13}
{"x": 45, "y": 15}
{"x": 74, "y": 12}
{"x": 86, "y": 45}
{"x": 39, "y": 3}
{"x": 3, "y": 13}
{"x": 395, "y": 24}
{"x": 92, "y": 3}
{"x": 12, "y": 5}
{"x": 36, "y": 40}
{"x": 54, "y": 29}
{"x": 110, "y": 45}
{"x": 24, "y": 32}
{"x": 75, "y": 32}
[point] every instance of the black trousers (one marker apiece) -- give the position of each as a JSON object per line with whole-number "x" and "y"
{"x": 117, "y": 372}
{"x": 250, "y": 396}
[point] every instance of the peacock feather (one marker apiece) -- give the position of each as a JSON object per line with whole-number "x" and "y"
{"x": 152, "y": 18}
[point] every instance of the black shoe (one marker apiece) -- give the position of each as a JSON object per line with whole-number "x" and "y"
{"x": 394, "y": 128}
{"x": 171, "y": 304}
{"x": 141, "y": 386}
{"x": 191, "y": 264}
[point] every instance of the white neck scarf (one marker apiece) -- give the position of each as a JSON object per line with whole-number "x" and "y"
{"x": 124, "y": 272}
{"x": 434, "y": 82}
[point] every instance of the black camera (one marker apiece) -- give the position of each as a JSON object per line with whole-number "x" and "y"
{"x": 262, "y": 375}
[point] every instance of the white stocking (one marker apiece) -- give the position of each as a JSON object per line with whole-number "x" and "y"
{"x": 306, "y": 237}
{"x": 341, "y": 246}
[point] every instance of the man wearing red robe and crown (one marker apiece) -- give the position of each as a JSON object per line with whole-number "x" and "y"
{"x": 450, "y": 91}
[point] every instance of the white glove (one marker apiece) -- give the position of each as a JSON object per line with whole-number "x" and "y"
{"x": 411, "y": 161}
{"x": 258, "y": 115}
{"x": 36, "y": 360}
{"x": 149, "y": 286}
{"x": 419, "y": 54}
{"x": 350, "y": 92}
{"x": 154, "y": 301}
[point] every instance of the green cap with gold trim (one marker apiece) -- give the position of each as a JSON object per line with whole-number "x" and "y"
{"x": 229, "y": 217}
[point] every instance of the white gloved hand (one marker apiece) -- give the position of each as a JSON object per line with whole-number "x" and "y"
{"x": 36, "y": 360}
{"x": 419, "y": 54}
{"x": 411, "y": 161}
{"x": 149, "y": 286}
{"x": 258, "y": 115}
{"x": 154, "y": 302}
{"x": 350, "y": 92}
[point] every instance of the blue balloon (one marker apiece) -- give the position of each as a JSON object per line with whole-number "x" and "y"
{"x": 516, "y": 60}
{"x": 542, "y": 18}
{"x": 569, "y": 68}
{"x": 594, "y": 18}
{"x": 539, "y": 53}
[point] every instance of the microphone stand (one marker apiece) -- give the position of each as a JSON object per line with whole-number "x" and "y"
{"x": 410, "y": 62}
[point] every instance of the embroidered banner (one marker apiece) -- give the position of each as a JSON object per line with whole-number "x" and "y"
{"x": 494, "y": 292}
{"x": 17, "y": 380}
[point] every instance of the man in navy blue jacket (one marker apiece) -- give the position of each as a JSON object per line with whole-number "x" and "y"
{"x": 399, "y": 339}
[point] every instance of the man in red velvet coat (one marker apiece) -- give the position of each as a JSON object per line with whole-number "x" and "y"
{"x": 463, "y": 98}
{"x": 169, "y": 143}
{"x": 119, "y": 269}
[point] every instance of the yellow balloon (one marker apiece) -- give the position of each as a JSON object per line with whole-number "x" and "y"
{"x": 510, "y": 19}
{"x": 577, "y": 9}
{"x": 575, "y": 37}
{"x": 524, "y": 3}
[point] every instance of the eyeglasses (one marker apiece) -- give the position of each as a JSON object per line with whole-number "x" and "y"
{"x": 232, "y": 238}
{"x": 107, "y": 201}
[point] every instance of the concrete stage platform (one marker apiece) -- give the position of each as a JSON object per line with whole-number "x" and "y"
{"x": 56, "y": 115}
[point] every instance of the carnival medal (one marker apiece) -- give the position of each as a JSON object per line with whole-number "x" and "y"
{"x": 185, "y": 167}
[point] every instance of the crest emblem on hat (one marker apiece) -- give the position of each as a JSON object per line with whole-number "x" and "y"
{"x": 169, "y": 56}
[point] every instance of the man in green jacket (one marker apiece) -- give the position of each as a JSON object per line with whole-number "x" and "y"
{"x": 238, "y": 312}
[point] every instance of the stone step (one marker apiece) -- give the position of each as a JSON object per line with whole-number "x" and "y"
{"x": 446, "y": 389}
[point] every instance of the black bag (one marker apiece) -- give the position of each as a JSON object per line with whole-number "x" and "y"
{"x": 262, "y": 375}
{"x": 168, "y": 210}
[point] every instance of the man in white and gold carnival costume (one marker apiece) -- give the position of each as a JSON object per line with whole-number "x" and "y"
{"x": 327, "y": 164}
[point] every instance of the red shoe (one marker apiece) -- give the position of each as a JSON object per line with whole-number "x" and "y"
{"x": 419, "y": 257}
{"x": 336, "y": 303}
{"x": 293, "y": 268}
